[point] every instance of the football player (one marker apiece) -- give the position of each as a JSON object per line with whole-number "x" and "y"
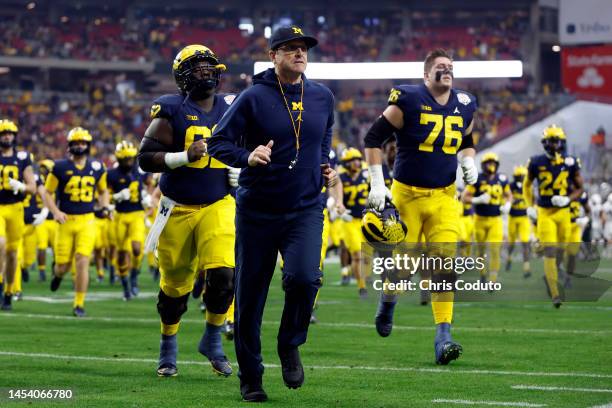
{"x": 519, "y": 226}
{"x": 556, "y": 174}
{"x": 490, "y": 196}
{"x": 76, "y": 181}
{"x": 101, "y": 246}
{"x": 45, "y": 233}
{"x": 355, "y": 194}
{"x": 433, "y": 126}
{"x": 196, "y": 206}
{"x": 16, "y": 180}
{"x": 126, "y": 183}
{"x": 580, "y": 212}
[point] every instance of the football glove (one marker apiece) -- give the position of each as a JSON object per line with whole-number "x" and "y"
{"x": 505, "y": 209}
{"x": 582, "y": 221}
{"x": 40, "y": 217}
{"x": 232, "y": 176}
{"x": 147, "y": 201}
{"x": 560, "y": 201}
{"x": 346, "y": 216}
{"x": 532, "y": 213}
{"x": 378, "y": 191}
{"x": 17, "y": 186}
{"x": 468, "y": 167}
{"x": 122, "y": 195}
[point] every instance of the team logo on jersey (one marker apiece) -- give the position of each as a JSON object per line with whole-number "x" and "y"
{"x": 229, "y": 99}
{"x": 456, "y": 110}
{"x": 463, "y": 98}
{"x": 297, "y": 30}
{"x": 96, "y": 165}
{"x": 297, "y": 106}
{"x": 569, "y": 161}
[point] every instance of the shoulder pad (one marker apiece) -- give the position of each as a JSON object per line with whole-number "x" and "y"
{"x": 22, "y": 155}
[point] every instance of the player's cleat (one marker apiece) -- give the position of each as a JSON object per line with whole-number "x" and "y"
{"x": 527, "y": 275}
{"x": 42, "y": 277}
{"x": 425, "y": 297}
{"x": 18, "y": 296}
{"x": 6, "y": 302}
{"x": 363, "y": 294}
{"x": 384, "y": 318}
{"x": 253, "y": 391}
{"x": 210, "y": 347}
{"x": 134, "y": 282}
{"x": 25, "y": 275}
{"x": 508, "y": 265}
{"x": 168, "y": 349}
{"x": 556, "y": 302}
{"x": 445, "y": 348}
{"x": 78, "y": 312}
{"x": 198, "y": 287}
{"x": 293, "y": 372}
{"x": 228, "y": 330}
{"x": 55, "y": 283}
{"x": 127, "y": 296}
{"x": 346, "y": 280}
{"x": 100, "y": 279}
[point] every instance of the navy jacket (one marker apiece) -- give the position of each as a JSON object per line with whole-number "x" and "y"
{"x": 259, "y": 115}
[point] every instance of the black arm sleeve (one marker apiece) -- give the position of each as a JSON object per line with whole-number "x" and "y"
{"x": 151, "y": 156}
{"x": 379, "y": 133}
{"x": 468, "y": 141}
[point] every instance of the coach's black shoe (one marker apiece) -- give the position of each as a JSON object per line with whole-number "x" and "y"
{"x": 55, "y": 283}
{"x": 252, "y": 391}
{"x": 78, "y": 312}
{"x": 384, "y": 318}
{"x": 446, "y": 349}
{"x": 293, "y": 372}
{"x": 6, "y": 302}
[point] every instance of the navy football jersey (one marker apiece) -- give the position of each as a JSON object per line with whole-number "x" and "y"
{"x": 576, "y": 205}
{"x": 32, "y": 204}
{"x": 519, "y": 205}
{"x": 552, "y": 178}
{"x": 12, "y": 167}
{"x": 76, "y": 188}
{"x": 203, "y": 181}
{"x": 133, "y": 180}
{"x": 428, "y": 143}
{"x": 355, "y": 192}
{"x": 495, "y": 187}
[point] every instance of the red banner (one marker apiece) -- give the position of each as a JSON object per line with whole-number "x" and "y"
{"x": 587, "y": 70}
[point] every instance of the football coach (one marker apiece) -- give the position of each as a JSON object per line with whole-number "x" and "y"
{"x": 279, "y": 132}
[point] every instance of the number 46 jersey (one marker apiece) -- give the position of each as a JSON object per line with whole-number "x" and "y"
{"x": 428, "y": 143}
{"x": 203, "y": 181}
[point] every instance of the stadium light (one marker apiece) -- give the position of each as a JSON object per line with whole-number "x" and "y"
{"x": 403, "y": 70}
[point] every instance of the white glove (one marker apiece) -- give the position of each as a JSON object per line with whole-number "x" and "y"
{"x": 17, "y": 186}
{"x": 582, "y": 221}
{"x": 123, "y": 195}
{"x": 560, "y": 201}
{"x": 147, "y": 201}
{"x": 148, "y": 223}
{"x": 378, "y": 191}
{"x": 346, "y": 216}
{"x": 505, "y": 209}
{"x": 482, "y": 199}
{"x": 40, "y": 217}
{"x": 532, "y": 213}
{"x": 468, "y": 167}
{"x": 111, "y": 207}
{"x": 232, "y": 176}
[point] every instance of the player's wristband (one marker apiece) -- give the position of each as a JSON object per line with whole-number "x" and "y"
{"x": 178, "y": 159}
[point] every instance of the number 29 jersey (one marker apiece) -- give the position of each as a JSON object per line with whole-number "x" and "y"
{"x": 428, "y": 143}
{"x": 205, "y": 180}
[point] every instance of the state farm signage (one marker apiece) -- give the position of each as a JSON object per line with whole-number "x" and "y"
{"x": 588, "y": 70}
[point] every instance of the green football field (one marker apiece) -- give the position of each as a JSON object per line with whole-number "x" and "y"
{"x": 515, "y": 353}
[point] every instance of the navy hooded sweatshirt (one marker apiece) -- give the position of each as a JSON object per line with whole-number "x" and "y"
{"x": 259, "y": 115}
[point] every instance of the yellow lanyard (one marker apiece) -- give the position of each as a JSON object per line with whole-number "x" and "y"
{"x": 296, "y": 130}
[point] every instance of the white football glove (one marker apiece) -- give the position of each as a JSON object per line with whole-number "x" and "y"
{"x": 232, "y": 176}
{"x": 148, "y": 223}
{"x": 17, "y": 186}
{"x": 468, "y": 167}
{"x": 147, "y": 201}
{"x": 505, "y": 209}
{"x": 482, "y": 199}
{"x": 40, "y": 217}
{"x": 532, "y": 213}
{"x": 560, "y": 201}
{"x": 378, "y": 191}
{"x": 582, "y": 221}
{"x": 122, "y": 195}
{"x": 346, "y": 216}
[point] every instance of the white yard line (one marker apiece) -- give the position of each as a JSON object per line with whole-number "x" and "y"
{"x": 495, "y": 403}
{"x": 368, "y": 326}
{"x": 551, "y": 388}
{"x": 319, "y": 367}
{"x": 608, "y": 405}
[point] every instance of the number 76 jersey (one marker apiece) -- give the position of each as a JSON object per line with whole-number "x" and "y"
{"x": 428, "y": 143}
{"x": 205, "y": 180}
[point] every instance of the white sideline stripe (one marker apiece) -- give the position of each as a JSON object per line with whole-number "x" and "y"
{"x": 319, "y": 367}
{"x": 550, "y": 388}
{"x": 496, "y": 403}
{"x": 91, "y": 297}
{"x": 322, "y": 324}
{"x": 608, "y": 405}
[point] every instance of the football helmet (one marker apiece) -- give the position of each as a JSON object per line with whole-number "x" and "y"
{"x": 520, "y": 172}
{"x": 8, "y": 126}
{"x": 125, "y": 150}
{"x": 46, "y": 166}
{"x": 78, "y": 134}
{"x": 489, "y": 163}
{"x": 185, "y": 66}
{"x": 384, "y": 227}
{"x": 553, "y": 141}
